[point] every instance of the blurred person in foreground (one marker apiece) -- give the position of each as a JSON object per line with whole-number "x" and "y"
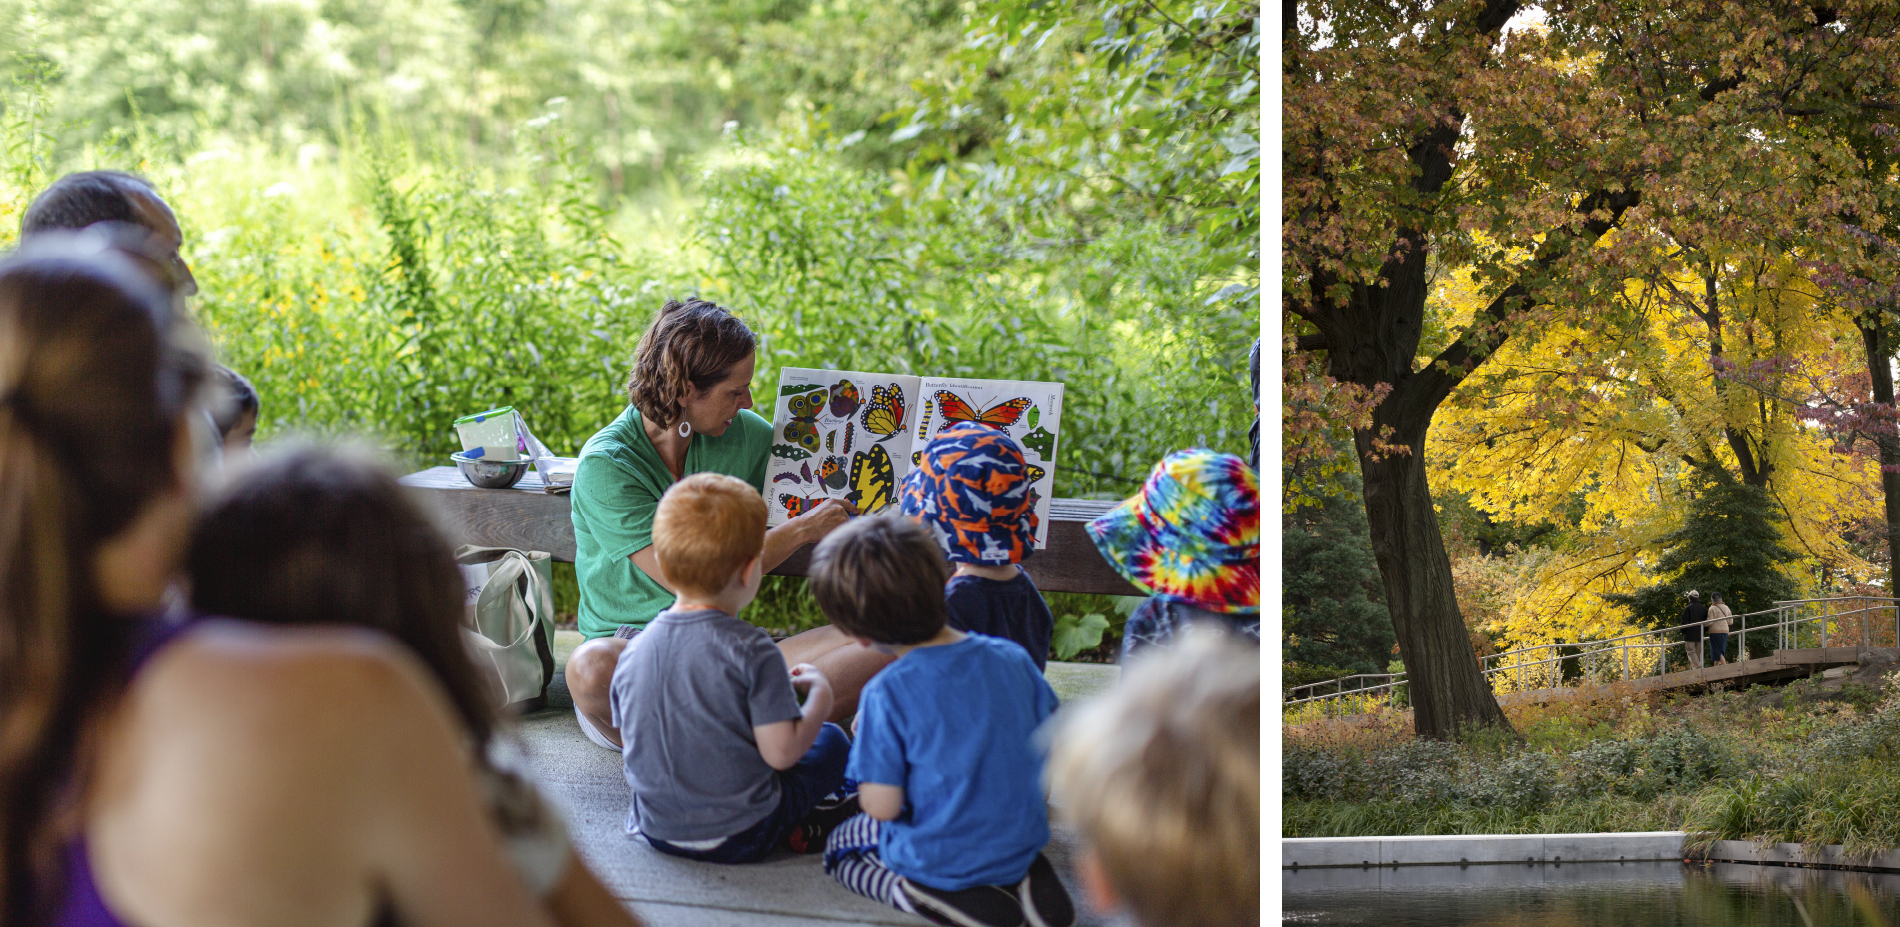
{"x": 1161, "y": 777}
{"x": 193, "y": 772}
{"x": 312, "y": 536}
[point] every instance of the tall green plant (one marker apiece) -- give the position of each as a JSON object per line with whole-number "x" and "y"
{"x": 837, "y": 269}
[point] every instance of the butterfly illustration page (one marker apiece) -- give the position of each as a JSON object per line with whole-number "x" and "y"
{"x": 839, "y": 434}
{"x": 1029, "y": 410}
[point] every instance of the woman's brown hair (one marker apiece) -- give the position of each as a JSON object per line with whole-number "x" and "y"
{"x": 97, "y": 374}
{"x": 691, "y": 346}
{"x": 319, "y": 536}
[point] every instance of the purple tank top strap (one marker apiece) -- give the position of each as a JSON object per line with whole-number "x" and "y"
{"x": 83, "y": 906}
{"x": 153, "y": 632}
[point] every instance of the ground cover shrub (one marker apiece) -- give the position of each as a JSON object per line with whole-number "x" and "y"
{"x": 1727, "y": 765}
{"x": 1388, "y": 818}
{"x": 1517, "y": 780}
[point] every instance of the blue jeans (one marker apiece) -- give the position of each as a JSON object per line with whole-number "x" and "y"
{"x": 1718, "y": 645}
{"x": 818, "y": 773}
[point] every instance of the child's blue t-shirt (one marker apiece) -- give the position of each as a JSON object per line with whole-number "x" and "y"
{"x": 955, "y": 725}
{"x": 1011, "y": 609}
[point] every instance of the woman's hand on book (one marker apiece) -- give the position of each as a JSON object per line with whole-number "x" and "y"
{"x": 822, "y": 519}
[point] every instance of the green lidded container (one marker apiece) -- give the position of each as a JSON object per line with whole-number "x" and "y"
{"x": 490, "y": 435}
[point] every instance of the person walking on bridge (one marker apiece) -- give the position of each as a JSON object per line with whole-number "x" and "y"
{"x": 1694, "y": 615}
{"x": 1717, "y": 627}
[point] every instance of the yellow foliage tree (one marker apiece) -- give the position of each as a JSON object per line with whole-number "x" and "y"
{"x": 1715, "y": 356}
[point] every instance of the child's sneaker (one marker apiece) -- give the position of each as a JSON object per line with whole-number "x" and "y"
{"x": 982, "y": 906}
{"x": 1045, "y": 902}
{"x": 809, "y": 836}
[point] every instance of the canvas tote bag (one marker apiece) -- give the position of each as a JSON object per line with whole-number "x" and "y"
{"x": 509, "y": 623}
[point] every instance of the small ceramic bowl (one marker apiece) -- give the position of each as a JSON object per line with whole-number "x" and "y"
{"x": 492, "y": 474}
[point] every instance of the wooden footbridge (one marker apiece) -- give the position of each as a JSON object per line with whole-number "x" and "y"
{"x": 1793, "y": 639}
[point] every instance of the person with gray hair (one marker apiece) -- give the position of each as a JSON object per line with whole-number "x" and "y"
{"x": 87, "y": 198}
{"x": 1694, "y": 615}
{"x": 125, "y": 201}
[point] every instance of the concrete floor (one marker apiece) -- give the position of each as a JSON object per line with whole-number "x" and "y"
{"x": 786, "y": 891}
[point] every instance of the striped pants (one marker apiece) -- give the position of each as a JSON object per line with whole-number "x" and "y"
{"x": 851, "y": 858}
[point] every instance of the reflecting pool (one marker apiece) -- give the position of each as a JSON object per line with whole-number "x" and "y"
{"x": 1649, "y": 894}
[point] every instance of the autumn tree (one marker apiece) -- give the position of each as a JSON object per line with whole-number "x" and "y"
{"x": 1729, "y": 545}
{"x": 1419, "y": 136}
{"x": 1863, "y": 281}
{"x": 1709, "y": 377}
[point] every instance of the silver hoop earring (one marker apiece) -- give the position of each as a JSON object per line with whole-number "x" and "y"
{"x": 686, "y": 429}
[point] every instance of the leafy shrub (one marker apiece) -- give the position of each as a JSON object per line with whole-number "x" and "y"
{"x": 1520, "y": 782}
{"x": 1308, "y": 774}
{"x": 1725, "y": 766}
{"x": 1076, "y": 633}
{"x": 1603, "y": 768}
{"x": 1686, "y": 758}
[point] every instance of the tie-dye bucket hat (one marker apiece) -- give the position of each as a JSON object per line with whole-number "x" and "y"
{"x": 971, "y": 489}
{"x": 1192, "y": 533}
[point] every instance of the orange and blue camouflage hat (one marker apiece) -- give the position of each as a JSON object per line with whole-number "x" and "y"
{"x": 971, "y": 489}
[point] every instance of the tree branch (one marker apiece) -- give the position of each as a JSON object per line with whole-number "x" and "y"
{"x": 1475, "y": 346}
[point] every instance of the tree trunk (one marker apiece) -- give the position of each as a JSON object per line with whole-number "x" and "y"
{"x": 1448, "y": 689}
{"x": 1880, "y": 373}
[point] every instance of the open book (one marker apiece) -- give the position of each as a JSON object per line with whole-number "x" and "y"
{"x": 840, "y": 434}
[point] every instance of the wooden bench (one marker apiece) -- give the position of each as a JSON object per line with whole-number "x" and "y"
{"x": 528, "y": 518}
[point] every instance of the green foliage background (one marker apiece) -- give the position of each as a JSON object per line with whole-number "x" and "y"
{"x": 403, "y": 211}
{"x": 1334, "y": 620}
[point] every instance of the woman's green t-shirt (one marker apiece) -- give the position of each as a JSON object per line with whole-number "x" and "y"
{"x": 616, "y": 489}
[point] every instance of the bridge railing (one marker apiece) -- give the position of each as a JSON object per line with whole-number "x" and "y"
{"x": 1842, "y": 621}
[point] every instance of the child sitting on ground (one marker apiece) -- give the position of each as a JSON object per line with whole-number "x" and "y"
{"x": 312, "y": 536}
{"x": 1162, "y": 779}
{"x": 953, "y": 821}
{"x": 971, "y": 490}
{"x": 724, "y": 764}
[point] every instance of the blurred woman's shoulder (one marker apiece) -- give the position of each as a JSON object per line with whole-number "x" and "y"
{"x": 252, "y": 678}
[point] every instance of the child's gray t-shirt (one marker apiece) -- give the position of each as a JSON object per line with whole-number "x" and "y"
{"x": 686, "y": 694}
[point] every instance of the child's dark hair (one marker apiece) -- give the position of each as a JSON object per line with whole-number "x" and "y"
{"x": 323, "y": 536}
{"x": 881, "y": 577}
{"x": 240, "y": 399}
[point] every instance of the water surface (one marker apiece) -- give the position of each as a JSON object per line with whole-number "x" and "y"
{"x": 1647, "y": 894}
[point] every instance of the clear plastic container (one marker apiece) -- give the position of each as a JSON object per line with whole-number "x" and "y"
{"x": 490, "y": 435}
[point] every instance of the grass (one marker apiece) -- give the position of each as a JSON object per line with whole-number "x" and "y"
{"x": 1815, "y": 762}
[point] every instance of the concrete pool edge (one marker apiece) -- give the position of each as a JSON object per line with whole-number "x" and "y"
{"x": 1478, "y": 849}
{"x": 1832, "y": 856}
{"x": 1498, "y": 849}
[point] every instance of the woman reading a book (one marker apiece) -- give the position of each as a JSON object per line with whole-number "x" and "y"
{"x": 689, "y": 411}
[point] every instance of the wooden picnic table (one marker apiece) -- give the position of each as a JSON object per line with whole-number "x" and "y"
{"x": 528, "y": 517}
